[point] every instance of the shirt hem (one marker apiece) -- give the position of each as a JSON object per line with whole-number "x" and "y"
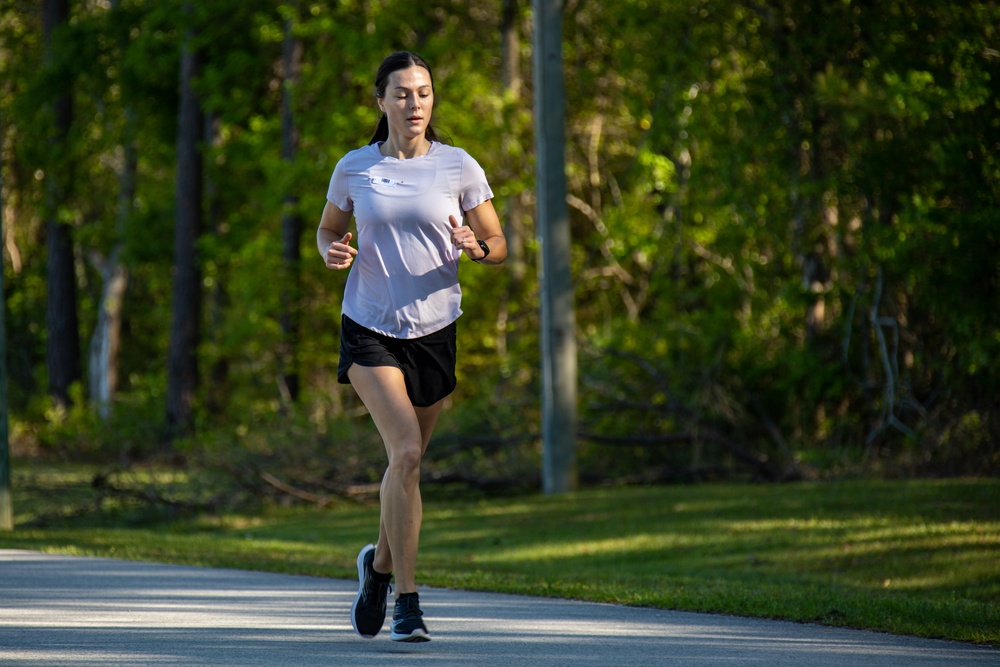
{"x": 409, "y": 334}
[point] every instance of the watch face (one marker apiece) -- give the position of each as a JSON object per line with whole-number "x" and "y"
{"x": 486, "y": 248}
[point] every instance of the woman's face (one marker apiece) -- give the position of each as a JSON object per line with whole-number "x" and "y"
{"x": 408, "y": 101}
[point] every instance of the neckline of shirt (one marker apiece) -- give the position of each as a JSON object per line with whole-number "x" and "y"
{"x": 378, "y": 149}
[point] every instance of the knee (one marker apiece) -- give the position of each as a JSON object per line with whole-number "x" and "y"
{"x": 405, "y": 459}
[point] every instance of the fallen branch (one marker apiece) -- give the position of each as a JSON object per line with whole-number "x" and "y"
{"x": 301, "y": 494}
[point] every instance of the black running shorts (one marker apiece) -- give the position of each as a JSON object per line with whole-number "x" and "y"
{"x": 427, "y": 363}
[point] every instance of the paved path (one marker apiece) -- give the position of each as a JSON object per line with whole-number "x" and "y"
{"x": 62, "y": 610}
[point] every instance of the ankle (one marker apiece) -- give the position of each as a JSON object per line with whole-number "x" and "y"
{"x": 377, "y": 566}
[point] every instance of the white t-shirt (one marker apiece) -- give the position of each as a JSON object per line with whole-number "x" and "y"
{"x": 404, "y": 280}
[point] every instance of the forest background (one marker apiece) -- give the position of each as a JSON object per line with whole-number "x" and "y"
{"x": 786, "y": 249}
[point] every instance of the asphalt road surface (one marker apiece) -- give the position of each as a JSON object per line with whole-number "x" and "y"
{"x": 72, "y": 611}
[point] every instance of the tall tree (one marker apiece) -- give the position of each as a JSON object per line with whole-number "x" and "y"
{"x": 182, "y": 359}
{"x": 63, "y": 343}
{"x": 6, "y": 503}
{"x": 105, "y": 341}
{"x": 513, "y": 219}
{"x": 291, "y": 217}
{"x": 558, "y": 314}
{"x": 510, "y": 75}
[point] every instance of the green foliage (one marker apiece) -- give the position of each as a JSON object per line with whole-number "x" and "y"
{"x": 784, "y": 223}
{"x": 799, "y": 237}
{"x": 132, "y": 432}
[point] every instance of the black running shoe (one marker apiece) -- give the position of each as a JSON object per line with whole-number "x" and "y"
{"x": 407, "y": 626}
{"x": 368, "y": 610}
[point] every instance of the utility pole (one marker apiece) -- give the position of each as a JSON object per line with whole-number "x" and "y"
{"x": 559, "y": 472}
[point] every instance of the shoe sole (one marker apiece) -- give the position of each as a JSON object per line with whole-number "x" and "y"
{"x": 416, "y": 636}
{"x": 357, "y": 598}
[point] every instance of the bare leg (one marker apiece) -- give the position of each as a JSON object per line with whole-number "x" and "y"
{"x": 406, "y": 431}
{"x": 427, "y": 418}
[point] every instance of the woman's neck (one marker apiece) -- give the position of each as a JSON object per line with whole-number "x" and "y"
{"x": 405, "y": 148}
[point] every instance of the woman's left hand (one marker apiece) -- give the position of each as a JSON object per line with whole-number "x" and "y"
{"x": 464, "y": 239}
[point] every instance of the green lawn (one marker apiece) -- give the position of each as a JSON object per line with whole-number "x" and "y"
{"x": 915, "y": 557}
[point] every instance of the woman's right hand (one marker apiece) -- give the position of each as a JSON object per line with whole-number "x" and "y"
{"x": 340, "y": 254}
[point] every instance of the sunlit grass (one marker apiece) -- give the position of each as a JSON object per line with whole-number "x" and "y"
{"x": 919, "y": 558}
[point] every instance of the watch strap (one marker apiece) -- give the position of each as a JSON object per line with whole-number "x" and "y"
{"x": 486, "y": 250}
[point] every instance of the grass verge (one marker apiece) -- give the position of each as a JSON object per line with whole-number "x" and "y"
{"x": 916, "y": 557}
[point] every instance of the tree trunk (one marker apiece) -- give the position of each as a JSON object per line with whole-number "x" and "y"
{"x": 510, "y": 45}
{"x": 6, "y": 502}
{"x": 63, "y": 343}
{"x": 182, "y": 359}
{"x": 510, "y": 65}
{"x": 291, "y": 225}
{"x": 104, "y": 344}
{"x": 217, "y": 298}
{"x": 558, "y": 333}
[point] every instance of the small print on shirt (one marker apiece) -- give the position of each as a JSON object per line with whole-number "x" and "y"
{"x": 387, "y": 182}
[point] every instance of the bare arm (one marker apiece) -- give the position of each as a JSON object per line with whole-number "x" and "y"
{"x": 485, "y": 226}
{"x": 333, "y": 239}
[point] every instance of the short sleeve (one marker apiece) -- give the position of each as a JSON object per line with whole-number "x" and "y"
{"x": 338, "y": 192}
{"x": 474, "y": 189}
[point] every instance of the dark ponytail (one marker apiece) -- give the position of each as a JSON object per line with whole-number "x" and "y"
{"x": 395, "y": 62}
{"x": 381, "y": 131}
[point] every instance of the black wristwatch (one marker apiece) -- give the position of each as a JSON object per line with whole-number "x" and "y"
{"x": 486, "y": 250}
